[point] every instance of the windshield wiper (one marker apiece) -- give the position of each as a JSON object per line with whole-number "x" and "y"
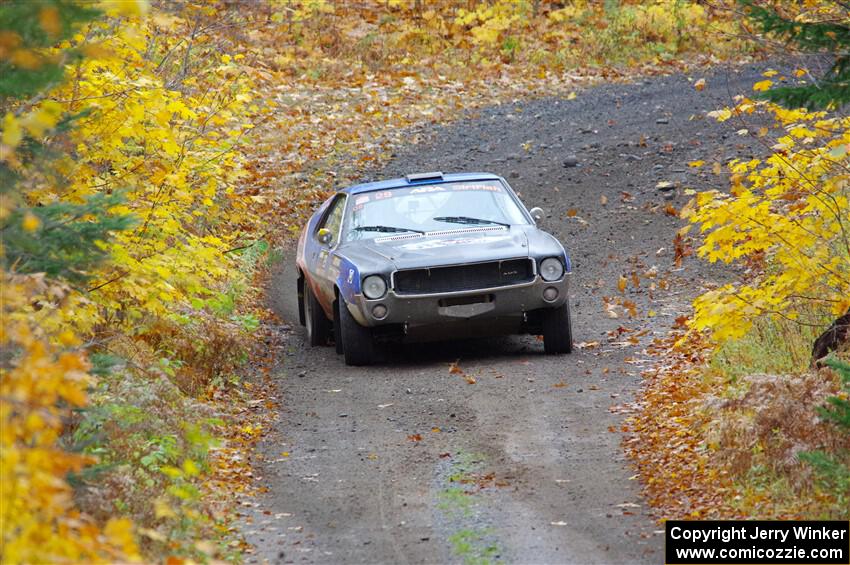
{"x": 468, "y": 220}
{"x": 386, "y": 229}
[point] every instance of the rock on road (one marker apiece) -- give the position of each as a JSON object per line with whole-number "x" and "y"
{"x": 407, "y": 462}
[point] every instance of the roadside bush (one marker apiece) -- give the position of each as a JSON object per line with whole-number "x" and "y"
{"x": 119, "y": 166}
{"x": 784, "y": 221}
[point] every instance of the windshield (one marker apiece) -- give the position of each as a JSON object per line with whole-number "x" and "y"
{"x": 432, "y": 207}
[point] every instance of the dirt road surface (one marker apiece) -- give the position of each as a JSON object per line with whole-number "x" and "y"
{"x": 407, "y": 462}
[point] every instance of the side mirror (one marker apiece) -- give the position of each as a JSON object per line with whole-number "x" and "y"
{"x": 324, "y": 236}
{"x": 537, "y": 213}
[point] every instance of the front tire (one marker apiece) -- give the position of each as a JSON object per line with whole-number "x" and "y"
{"x": 358, "y": 347}
{"x": 557, "y": 330}
{"x": 317, "y": 324}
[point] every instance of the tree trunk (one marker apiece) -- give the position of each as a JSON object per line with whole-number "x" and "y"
{"x": 830, "y": 340}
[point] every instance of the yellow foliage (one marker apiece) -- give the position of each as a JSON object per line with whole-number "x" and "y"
{"x": 161, "y": 145}
{"x": 36, "y": 394}
{"x": 788, "y": 220}
{"x": 167, "y": 137}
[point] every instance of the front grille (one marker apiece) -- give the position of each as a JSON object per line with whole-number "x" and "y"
{"x": 464, "y": 277}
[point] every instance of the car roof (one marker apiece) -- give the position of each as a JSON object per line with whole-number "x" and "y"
{"x": 404, "y": 182}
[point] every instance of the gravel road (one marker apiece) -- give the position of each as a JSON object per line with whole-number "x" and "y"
{"x": 407, "y": 462}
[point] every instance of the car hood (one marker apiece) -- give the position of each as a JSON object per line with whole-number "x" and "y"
{"x": 447, "y": 247}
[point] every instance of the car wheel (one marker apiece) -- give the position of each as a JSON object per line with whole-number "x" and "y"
{"x": 317, "y": 324}
{"x": 557, "y": 330}
{"x": 357, "y": 344}
{"x": 337, "y": 328}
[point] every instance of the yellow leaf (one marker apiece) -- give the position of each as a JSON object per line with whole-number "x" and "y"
{"x": 30, "y": 222}
{"x": 68, "y": 338}
{"x": 571, "y": 96}
{"x": 696, "y": 164}
{"x": 700, "y": 84}
{"x": 190, "y": 468}
{"x": 762, "y": 85}
{"x": 120, "y": 532}
{"x": 124, "y": 7}
{"x": 12, "y": 133}
{"x": 721, "y": 115}
{"x": 43, "y": 119}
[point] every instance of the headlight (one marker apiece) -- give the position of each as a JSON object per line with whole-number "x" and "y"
{"x": 374, "y": 287}
{"x": 551, "y": 269}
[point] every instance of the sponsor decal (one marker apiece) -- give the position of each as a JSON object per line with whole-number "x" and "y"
{"x": 427, "y": 189}
{"x": 475, "y": 187}
{"x": 438, "y": 243}
{"x": 362, "y": 199}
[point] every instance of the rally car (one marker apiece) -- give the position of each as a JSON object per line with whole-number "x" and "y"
{"x": 430, "y": 256}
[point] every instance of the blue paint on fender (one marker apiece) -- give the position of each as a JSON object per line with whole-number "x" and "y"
{"x": 348, "y": 280}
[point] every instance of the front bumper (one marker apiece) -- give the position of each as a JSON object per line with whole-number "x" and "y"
{"x": 415, "y": 311}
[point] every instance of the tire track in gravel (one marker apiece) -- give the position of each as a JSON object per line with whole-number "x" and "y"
{"x": 524, "y": 467}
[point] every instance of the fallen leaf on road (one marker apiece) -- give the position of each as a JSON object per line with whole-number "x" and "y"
{"x": 414, "y": 437}
{"x": 699, "y": 85}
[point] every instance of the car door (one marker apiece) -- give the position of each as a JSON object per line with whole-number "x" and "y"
{"x": 323, "y": 264}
